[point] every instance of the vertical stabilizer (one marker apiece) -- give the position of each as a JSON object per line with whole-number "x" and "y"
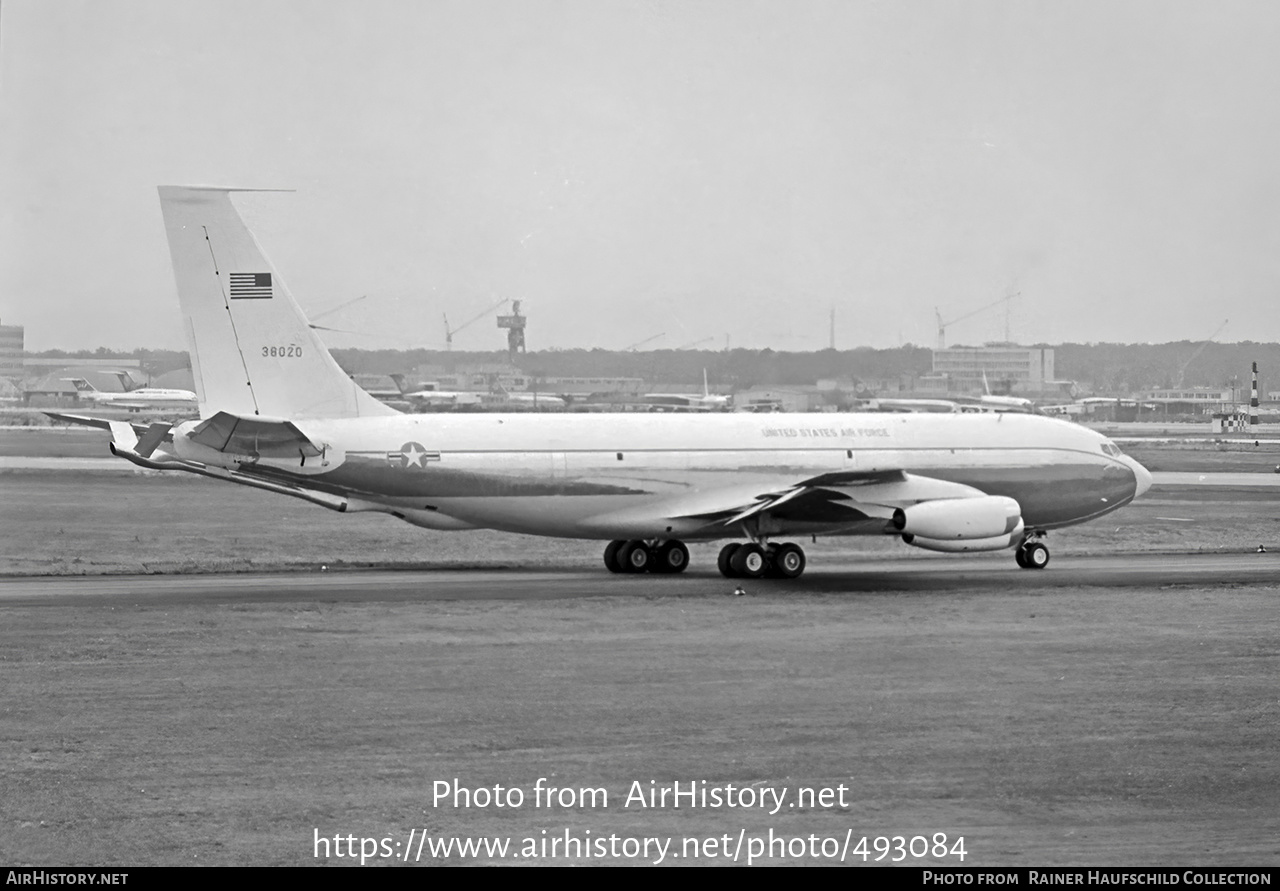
{"x": 127, "y": 383}
{"x": 252, "y": 350}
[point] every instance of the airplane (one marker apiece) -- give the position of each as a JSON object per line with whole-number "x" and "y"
{"x": 913, "y": 405}
{"x": 956, "y": 403}
{"x": 278, "y": 414}
{"x": 688, "y": 401}
{"x": 430, "y": 396}
{"x": 524, "y": 399}
{"x": 134, "y": 398}
{"x": 1093, "y": 403}
{"x": 990, "y": 402}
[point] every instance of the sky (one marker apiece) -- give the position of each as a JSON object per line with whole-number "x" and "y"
{"x": 674, "y": 174}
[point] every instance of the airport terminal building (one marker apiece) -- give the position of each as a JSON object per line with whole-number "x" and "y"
{"x": 999, "y": 367}
{"x": 11, "y": 341}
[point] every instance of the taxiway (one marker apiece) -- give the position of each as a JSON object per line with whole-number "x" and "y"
{"x": 987, "y": 573}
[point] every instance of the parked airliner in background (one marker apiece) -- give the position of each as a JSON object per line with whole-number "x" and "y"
{"x": 431, "y": 396}
{"x": 136, "y": 399}
{"x": 956, "y": 403}
{"x": 688, "y": 401}
{"x": 279, "y": 414}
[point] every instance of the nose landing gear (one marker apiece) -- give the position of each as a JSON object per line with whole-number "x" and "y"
{"x": 1032, "y": 553}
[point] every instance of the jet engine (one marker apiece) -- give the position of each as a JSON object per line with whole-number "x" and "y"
{"x": 956, "y": 546}
{"x": 960, "y": 519}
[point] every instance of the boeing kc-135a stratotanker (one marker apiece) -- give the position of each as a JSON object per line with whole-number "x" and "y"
{"x": 277, "y": 413}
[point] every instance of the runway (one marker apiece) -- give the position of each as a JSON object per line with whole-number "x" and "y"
{"x": 974, "y": 572}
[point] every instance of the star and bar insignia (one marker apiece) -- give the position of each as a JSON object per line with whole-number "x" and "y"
{"x": 411, "y": 454}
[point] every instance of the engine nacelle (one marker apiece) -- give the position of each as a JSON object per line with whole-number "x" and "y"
{"x": 960, "y": 519}
{"x": 949, "y": 546}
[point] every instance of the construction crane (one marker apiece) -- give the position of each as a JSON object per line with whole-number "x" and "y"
{"x": 1200, "y": 349}
{"x": 640, "y": 343}
{"x": 449, "y": 332}
{"x": 693, "y": 343}
{"x": 942, "y": 326}
{"x": 329, "y": 312}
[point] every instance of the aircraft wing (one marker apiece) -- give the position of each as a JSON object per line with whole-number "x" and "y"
{"x": 828, "y": 502}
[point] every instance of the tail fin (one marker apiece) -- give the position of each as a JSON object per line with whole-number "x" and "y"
{"x": 252, "y": 350}
{"x": 81, "y": 385}
{"x": 127, "y": 383}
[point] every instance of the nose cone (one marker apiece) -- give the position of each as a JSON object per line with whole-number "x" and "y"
{"x": 1141, "y": 476}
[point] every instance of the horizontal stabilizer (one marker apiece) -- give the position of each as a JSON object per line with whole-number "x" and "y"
{"x": 225, "y": 432}
{"x": 151, "y": 439}
{"x": 100, "y": 423}
{"x": 123, "y": 435}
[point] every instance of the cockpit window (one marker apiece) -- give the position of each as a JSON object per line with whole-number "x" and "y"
{"x": 1112, "y": 449}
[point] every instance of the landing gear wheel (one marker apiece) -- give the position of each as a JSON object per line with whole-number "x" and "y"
{"x": 671, "y": 556}
{"x": 749, "y": 561}
{"x": 724, "y": 561}
{"x": 1035, "y": 556}
{"x": 788, "y": 561}
{"x": 611, "y": 556}
{"x": 634, "y": 556}
{"x": 1020, "y": 557}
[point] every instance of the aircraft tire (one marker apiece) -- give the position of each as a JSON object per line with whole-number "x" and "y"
{"x": 611, "y": 556}
{"x": 1020, "y": 557}
{"x": 788, "y": 562}
{"x": 634, "y": 556}
{"x": 749, "y": 562}
{"x": 1036, "y": 555}
{"x": 725, "y": 560}
{"x": 671, "y": 557}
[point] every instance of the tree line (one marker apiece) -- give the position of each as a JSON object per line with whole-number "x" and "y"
{"x": 1102, "y": 368}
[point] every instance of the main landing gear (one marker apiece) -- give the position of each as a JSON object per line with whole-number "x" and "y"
{"x": 737, "y": 561}
{"x": 754, "y": 561}
{"x": 640, "y": 556}
{"x": 1032, "y": 553}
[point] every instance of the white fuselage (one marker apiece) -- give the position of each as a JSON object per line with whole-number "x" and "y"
{"x": 616, "y": 476}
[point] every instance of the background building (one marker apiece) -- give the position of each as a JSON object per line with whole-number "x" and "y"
{"x": 11, "y": 341}
{"x": 1194, "y": 400}
{"x": 1001, "y": 367}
